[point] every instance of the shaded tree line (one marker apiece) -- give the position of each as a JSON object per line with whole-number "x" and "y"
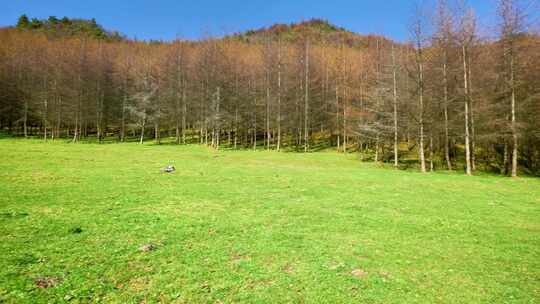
{"x": 449, "y": 99}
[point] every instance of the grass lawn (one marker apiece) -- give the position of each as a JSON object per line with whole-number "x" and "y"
{"x": 257, "y": 227}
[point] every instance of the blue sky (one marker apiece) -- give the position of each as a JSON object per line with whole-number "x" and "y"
{"x": 166, "y": 19}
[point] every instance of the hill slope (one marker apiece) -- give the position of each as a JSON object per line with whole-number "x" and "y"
{"x": 318, "y": 30}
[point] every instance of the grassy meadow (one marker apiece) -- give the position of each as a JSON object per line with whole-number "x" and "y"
{"x": 257, "y": 227}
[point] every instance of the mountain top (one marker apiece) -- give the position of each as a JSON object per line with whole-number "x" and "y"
{"x": 317, "y": 30}
{"x": 67, "y": 27}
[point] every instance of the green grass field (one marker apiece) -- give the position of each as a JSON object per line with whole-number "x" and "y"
{"x": 257, "y": 227}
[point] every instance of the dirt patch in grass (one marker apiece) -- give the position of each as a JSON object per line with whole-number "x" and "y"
{"x": 287, "y": 268}
{"x": 138, "y": 284}
{"x": 359, "y": 273}
{"x": 47, "y": 282}
{"x": 237, "y": 258}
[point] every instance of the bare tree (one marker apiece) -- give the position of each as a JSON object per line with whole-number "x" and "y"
{"x": 306, "y": 96}
{"x": 443, "y": 40}
{"x": 395, "y": 106}
{"x": 418, "y": 32}
{"x": 511, "y": 25}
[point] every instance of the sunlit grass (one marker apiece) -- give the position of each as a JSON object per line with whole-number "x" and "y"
{"x": 258, "y": 227}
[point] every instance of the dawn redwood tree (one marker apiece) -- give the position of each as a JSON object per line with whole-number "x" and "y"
{"x": 143, "y": 108}
{"x": 511, "y": 26}
{"x": 306, "y": 94}
{"x": 278, "y": 93}
{"x": 418, "y": 32}
{"x": 395, "y": 105}
{"x": 443, "y": 40}
{"x": 123, "y": 72}
{"x": 467, "y": 31}
{"x": 81, "y": 72}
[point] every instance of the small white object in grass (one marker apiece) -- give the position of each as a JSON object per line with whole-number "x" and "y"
{"x": 169, "y": 169}
{"x": 147, "y": 248}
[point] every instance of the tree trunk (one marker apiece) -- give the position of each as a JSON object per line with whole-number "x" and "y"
{"x": 268, "y": 114}
{"x": 99, "y": 114}
{"x": 25, "y": 118}
{"x": 513, "y": 119}
{"x": 184, "y": 111}
{"x": 235, "y": 127}
{"x": 344, "y": 144}
{"x": 471, "y": 109}
{"x": 143, "y": 123}
{"x": 255, "y": 123}
{"x": 338, "y": 133}
{"x": 377, "y": 98}
{"x": 177, "y": 118}
{"x": 278, "y": 120}
{"x": 466, "y": 92}
{"x": 306, "y": 99}
{"x": 123, "y": 119}
{"x": 157, "y": 119}
{"x": 505, "y": 158}
{"x": 445, "y": 105}
{"x": 217, "y": 124}
{"x": 421, "y": 112}
{"x": 394, "y": 78}
{"x": 45, "y": 109}
{"x": 58, "y": 117}
{"x": 78, "y": 113}
{"x": 431, "y": 167}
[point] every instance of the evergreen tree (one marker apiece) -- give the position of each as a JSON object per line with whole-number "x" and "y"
{"x": 23, "y": 22}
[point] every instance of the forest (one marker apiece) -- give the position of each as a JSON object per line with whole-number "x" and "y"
{"x": 451, "y": 98}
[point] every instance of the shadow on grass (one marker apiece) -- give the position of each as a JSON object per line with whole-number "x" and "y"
{"x": 407, "y": 156}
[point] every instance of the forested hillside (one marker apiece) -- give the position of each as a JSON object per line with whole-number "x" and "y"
{"x": 55, "y": 27}
{"x": 449, "y": 99}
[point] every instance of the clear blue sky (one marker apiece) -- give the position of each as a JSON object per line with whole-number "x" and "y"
{"x": 165, "y": 19}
